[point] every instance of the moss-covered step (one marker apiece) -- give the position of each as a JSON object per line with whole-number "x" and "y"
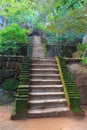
{"x": 21, "y": 101}
{"x": 71, "y": 92}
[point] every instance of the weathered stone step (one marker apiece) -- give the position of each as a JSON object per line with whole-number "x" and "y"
{"x": 47, "y": 103}
{"x": 46, "y": 95}
{"x": 49, "y": 65}
{"x": 48, "y": 112}
{"x": 27, "y": 67}
{"x": 24, "y": 72}
{"x": 44, "y": 71}
{"x": 43, "y": 61}
{"x": 48, "y": 75}
{"x": 37, "y": 45}
{"x": 26, "y": 62}
{"x": 50, "y": 69}
{"x": 39, "y": 48}
{"x": 44, "y": 66}
{"x": 45, "y": 76}
{"x": 45, "y": 82}
{"x": 24, "y": 76}
{"x": 46, "y": 88}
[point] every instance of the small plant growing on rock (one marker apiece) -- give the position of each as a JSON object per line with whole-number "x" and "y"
{"x": 84, "y": 60}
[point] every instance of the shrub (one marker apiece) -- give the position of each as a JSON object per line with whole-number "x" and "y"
{"x": 51, "y": 38}
{"x": 12, "y": 39}
{"x": 81, "y": 49}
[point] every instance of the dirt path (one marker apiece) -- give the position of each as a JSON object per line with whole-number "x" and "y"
{"x": 59, "y": 123}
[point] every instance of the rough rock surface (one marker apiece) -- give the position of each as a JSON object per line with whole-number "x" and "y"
{"x": 85, "y": 39}
{"x": 5, "y": 97}
{"x": 6, "y": 73}
{"x": 9, "y": 67}
{"x": 79, "y": 74}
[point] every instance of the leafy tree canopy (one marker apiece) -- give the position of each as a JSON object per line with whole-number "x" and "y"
{"x": 59, "y": 16}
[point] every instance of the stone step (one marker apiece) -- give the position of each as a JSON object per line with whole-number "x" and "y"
{"x": 45, "y": 76}
{"x": 49, "y": 65}
{"x": 45, "y": 82}
{"x": 46, "y": 95}
{"x": 38, "y": 48}
{"x": 43, "y": 61}
{"x": 25, "y": 69}
{"x": 37, "y": 45}
{"x": 44, "y": 66}
{"x": 44, "y": 71}
{"x": 23, "y": 74}
{"x": 47, "y": 103}
{"x": 26, "y": 66}
{"x": 46, "y": 88}
{"x": 48, "y": 75}
{"x": 48, "y": 112}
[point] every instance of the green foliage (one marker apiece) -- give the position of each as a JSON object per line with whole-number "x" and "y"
{"x": 68, "y": 38}
{"x": 10, "y": 84}
{"x": 72, "y": 92}
{"x": 68, "y": 16}
{"x": 84, "y": 60}
{"x": 51, "y": 38}
{"x": 81, "y": 48}
{"x": 58, "y": 16}
{"x": 40, "y": 26}
{"x": 12, "y": 39}
{"x": 19, "y": 11}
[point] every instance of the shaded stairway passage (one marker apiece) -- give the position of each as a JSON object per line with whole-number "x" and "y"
{"x": 37, "y": 48}
{"x": 46, "y": 96}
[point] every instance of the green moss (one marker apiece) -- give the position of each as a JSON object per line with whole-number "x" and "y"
{"x": 10, "y": 84}
{"x": 70, "y": 89}
{"x": 62, "y": 78}
{"x": 21, "y": 103}
{"x": 13, "y": 115}
{"x": 77, "y": 109}
{"x": 45, "y": 49}
{"x": 20, "y": 109}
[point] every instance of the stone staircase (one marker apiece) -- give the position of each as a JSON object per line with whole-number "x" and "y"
{"x": 44, "y": 84}
{"x": 46, "y": 96}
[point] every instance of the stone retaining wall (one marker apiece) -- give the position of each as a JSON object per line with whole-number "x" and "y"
{"x": 9, "y": 67}
{"x": 79, "y": 74}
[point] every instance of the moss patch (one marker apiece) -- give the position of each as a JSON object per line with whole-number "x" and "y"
{"x": 71, "y": 93}
{"x": 10, "y": 84}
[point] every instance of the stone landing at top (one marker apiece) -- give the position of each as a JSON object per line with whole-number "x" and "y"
{"x": 38, "y": 51}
